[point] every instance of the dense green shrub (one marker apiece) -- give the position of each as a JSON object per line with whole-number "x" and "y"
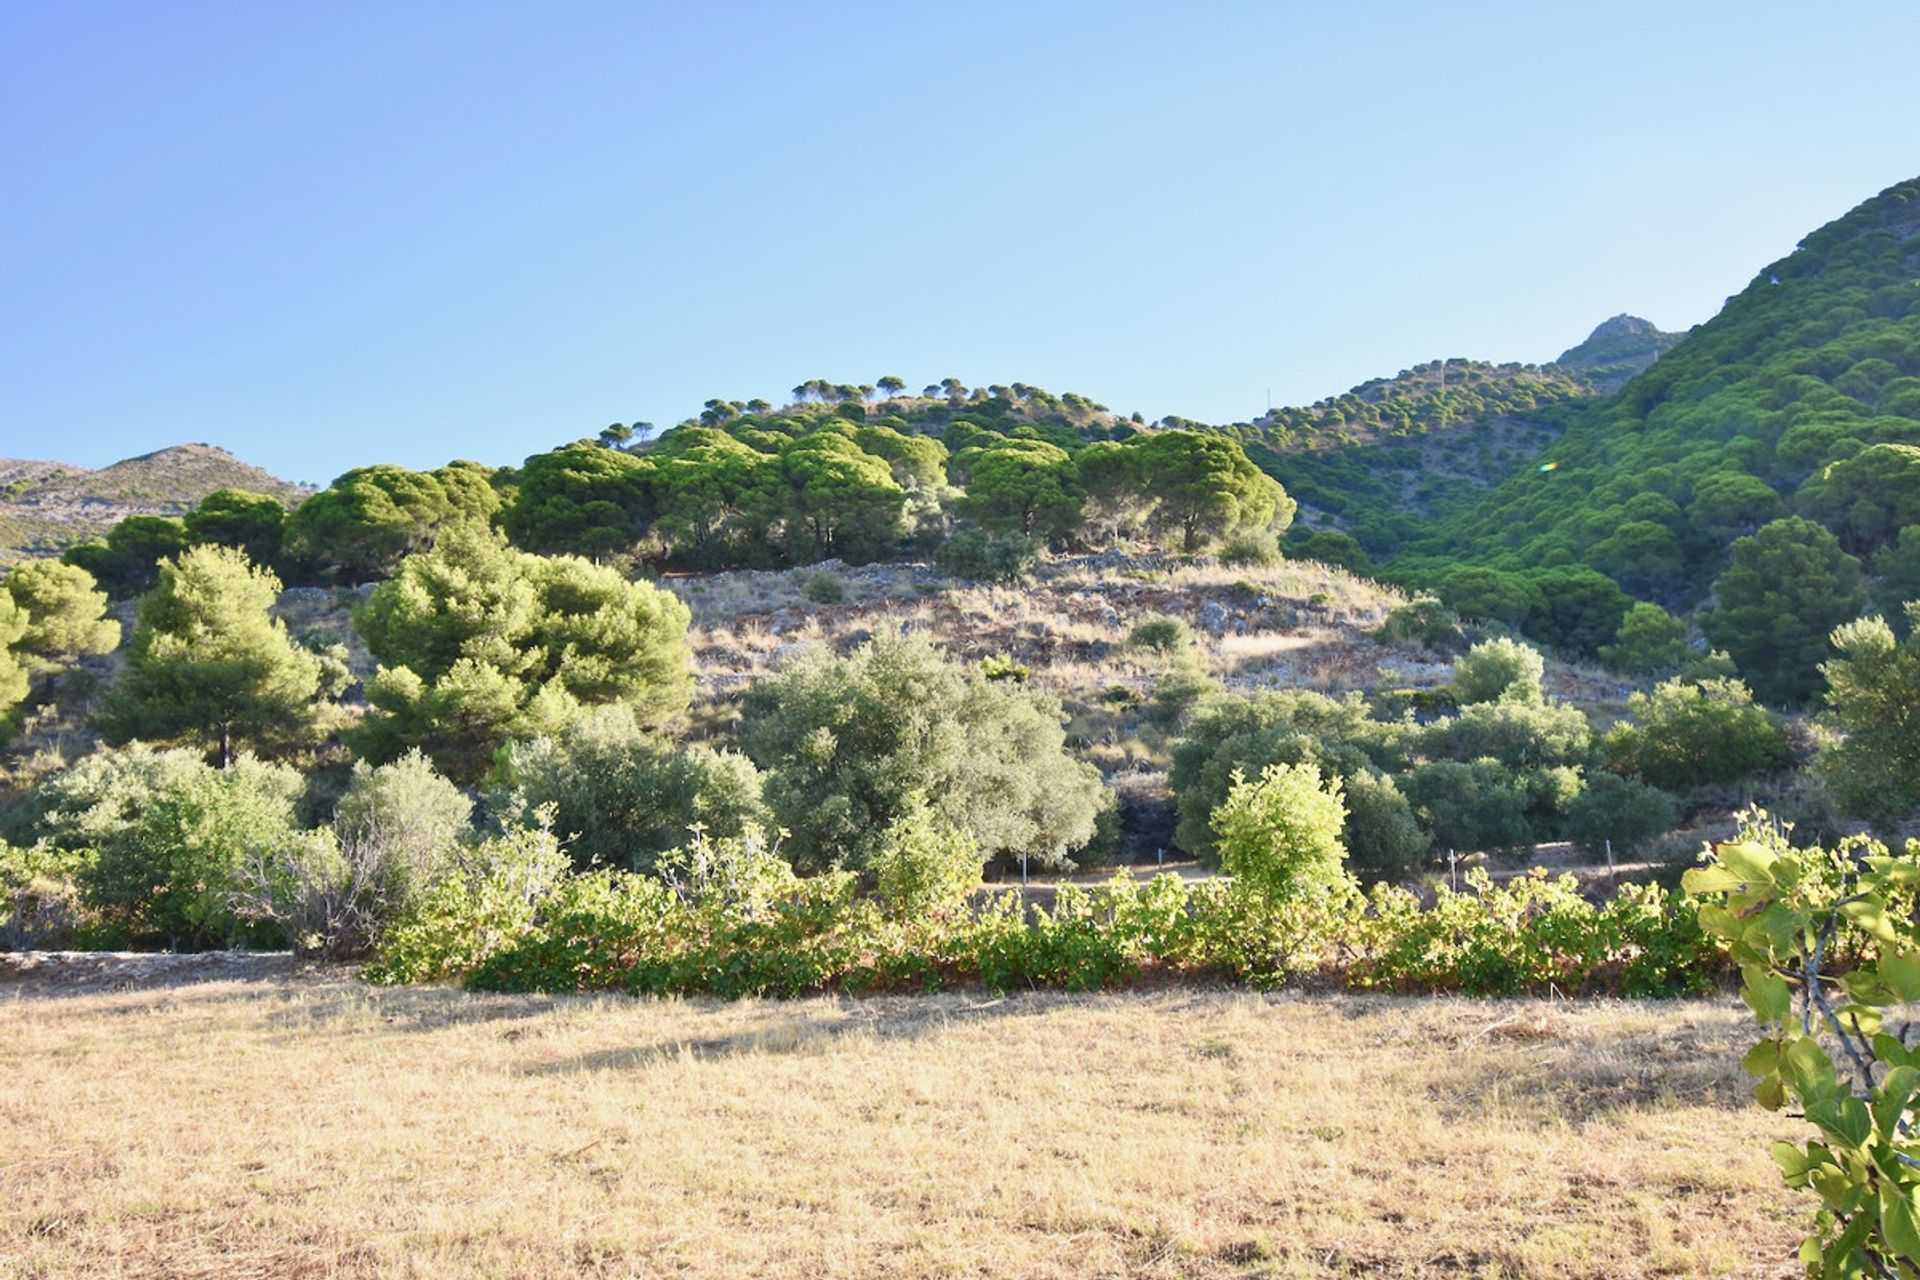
{"x": 128, "y": 561}
{"x": 1650, "y": 641}
{"x": 490, "y": 903}
{"x": 1328, "y": 546}
{"x": 1161, "y": 634}
{"x": 845, "y": 740}
{"x": 1873, "y": 691}
{"x": 209, "y": 665}
{"x": 1175, "y": 694}
{"x": 43, "y": 905}
{"x": 479, "y": 643}
{"x": 924, "y": 867}
{"x": 756, "y": 931}
{"x": 1788, "y": 587}
{"x": 13, "y": 665}
{"x": 397, "y": 831}
{"x": 1691, "y": 733}
{"x": 1499, "y": 670}
{"x": 1532, "y": 933}
{"x": 359, "y": 528}
{"x": 1280, "y": 832}
{"x": 170, "y": 838}
{"x": 253, "y": 523}
{"x": 1471, "y": 807}
{"x": 1001, "y": 559}
{"x": 1025, "y": 487}
{"x": 826, "y": 588}
{"x": 1520, "y": 735}
{"x": 1628, "y": 813}
{"x": 1258, "y": 548}
{"x": 1382, "y": 839}
{"x": 64, "y": 615}
{"x": 1426, "y": 623}
{"x": 619, "y": 796}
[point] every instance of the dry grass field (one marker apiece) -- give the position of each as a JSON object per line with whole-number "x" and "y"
{"x": 293, "y": 1123}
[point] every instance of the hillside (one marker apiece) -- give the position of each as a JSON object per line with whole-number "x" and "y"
{"x": 1387, "y": 458}
{"x": 1814, "y": 362}
{"x": 1428, "y": 398}
{"x": 46, "y": 507}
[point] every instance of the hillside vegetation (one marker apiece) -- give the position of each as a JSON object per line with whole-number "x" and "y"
{"x": 1756, "y": 415}
{"x": 796, "y": 700}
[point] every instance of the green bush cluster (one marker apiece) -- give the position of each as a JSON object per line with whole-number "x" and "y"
{"x": 522, "y": 925}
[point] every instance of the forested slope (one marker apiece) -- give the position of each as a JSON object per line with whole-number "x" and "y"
{"x": 1801, "y": 397}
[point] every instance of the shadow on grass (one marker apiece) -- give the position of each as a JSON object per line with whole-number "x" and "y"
{"x": 54, "y": 975}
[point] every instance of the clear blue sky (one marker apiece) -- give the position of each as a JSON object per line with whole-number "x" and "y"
{"x": 323, "y": 235}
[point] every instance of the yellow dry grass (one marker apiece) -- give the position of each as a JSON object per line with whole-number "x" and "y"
{"x": 304, "y": 1125}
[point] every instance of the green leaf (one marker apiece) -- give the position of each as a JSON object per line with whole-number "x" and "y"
{"x": 1718, "y": 922}
{"x": 1901, "y": 972}
{"x": 1763, "y": 1059}
{"x": 1840, "y": 1191}
{"x": 1751, "y": 863}
{"x": 1899, "y": 872}
{"x": 1767, "y": 994}
{"x": 1711, "y": 879}
{"x": 1895, "y": 1092}
{"x": 1897, "y": 1223}
{"x": 1864, "y": 986}
{"x": 1807, "y": 1068}
{"x": 1841, "y": 1251}
{"x": 1843, "y": 1119}
{"x": 1771, "y": 1093}
{"x": 1792, "y": 1161}
{"x": 1889, "y": 1050}
{"x": 1871, "y": 916}
{"x": 1780, "y": 926}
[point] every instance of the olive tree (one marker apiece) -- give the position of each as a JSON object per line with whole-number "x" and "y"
{"x": 1500, "y": 670}
{"x": 620, "y": 796}
{"x": 845, "y": 741}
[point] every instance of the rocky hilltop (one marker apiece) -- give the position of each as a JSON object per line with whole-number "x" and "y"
{"x": 46, "y": 507}
{"x": 1620, "y": 348}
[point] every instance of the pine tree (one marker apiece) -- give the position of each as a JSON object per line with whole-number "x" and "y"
{"x": 207, "y": 664}
{"x": 66, "y": 614}
{"x": 13, "y": 670}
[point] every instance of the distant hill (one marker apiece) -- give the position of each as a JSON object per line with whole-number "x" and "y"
{"x": 1736, "y": 424}
{"x": 46, "y": 507}
{"x": 1616, "y": 351}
